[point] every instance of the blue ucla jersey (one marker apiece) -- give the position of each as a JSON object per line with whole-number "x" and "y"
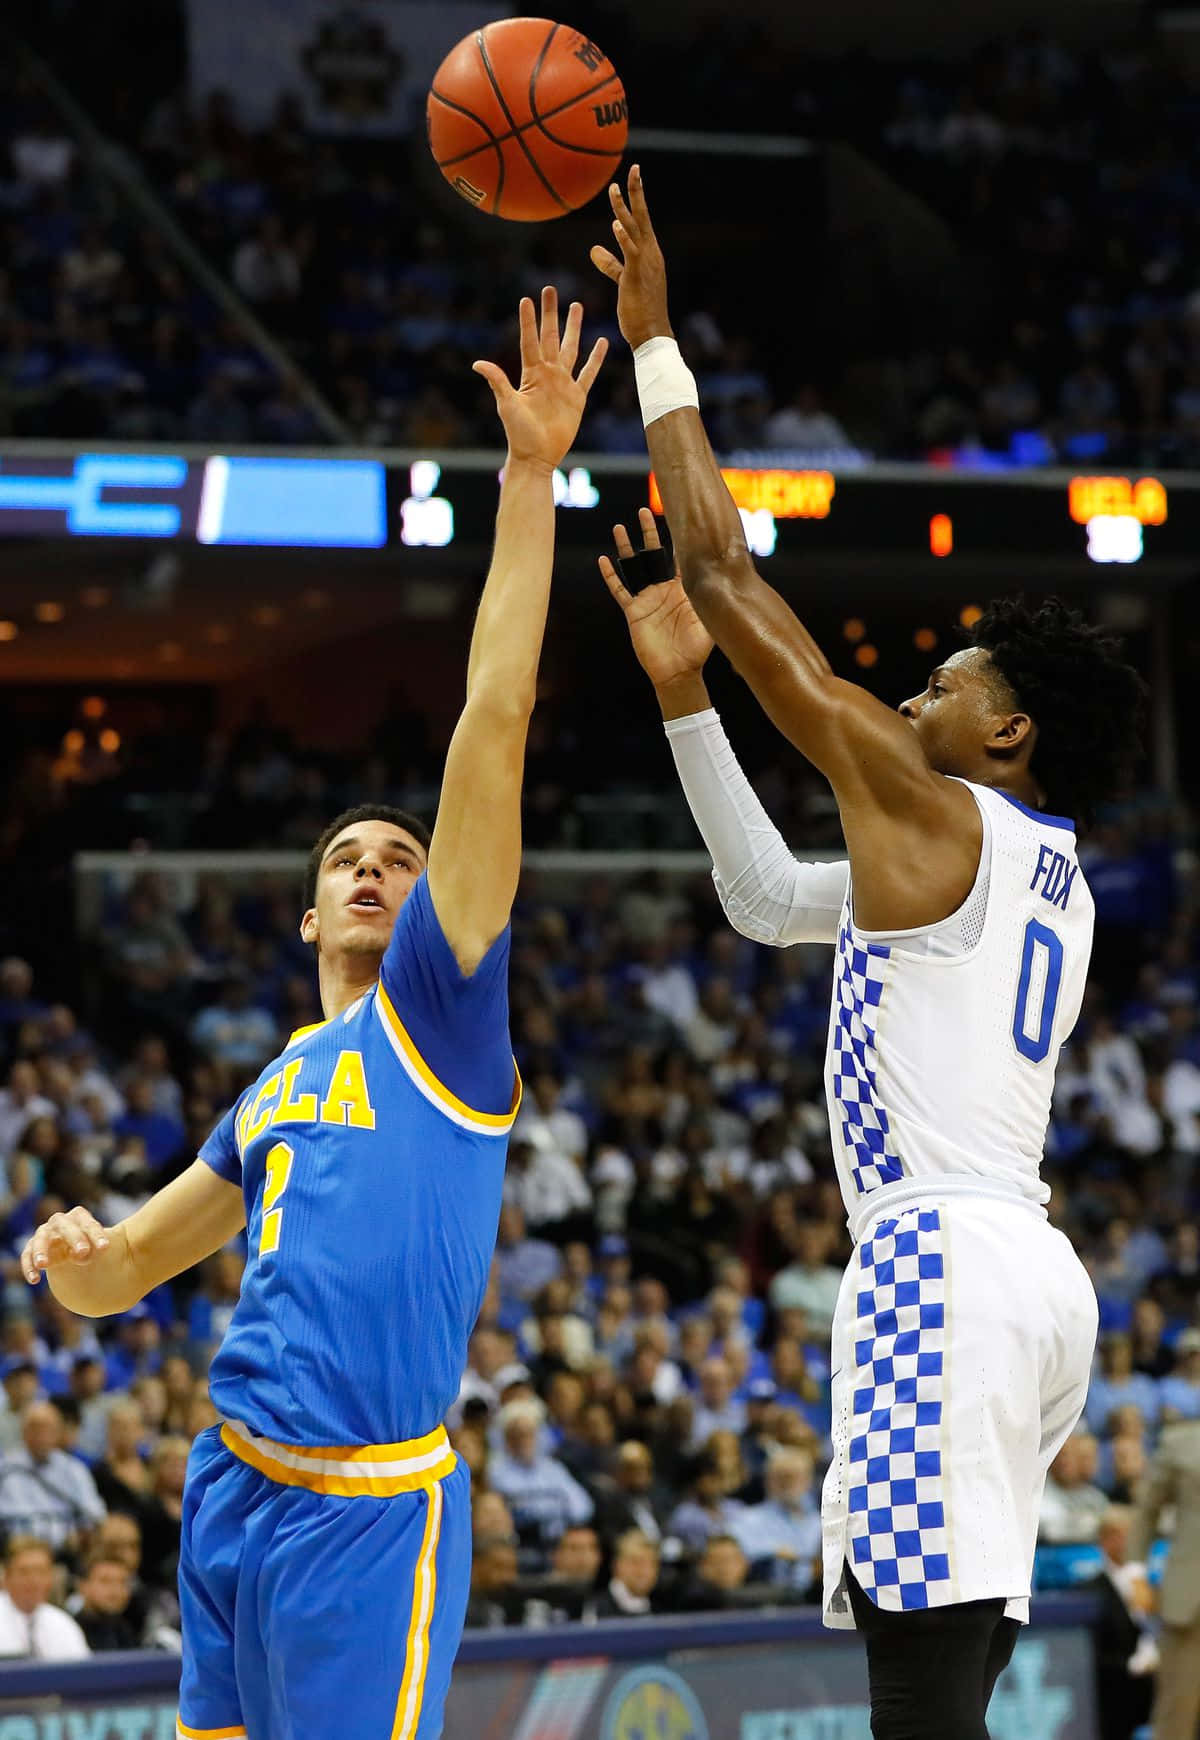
{"x": 371, "y": 1157}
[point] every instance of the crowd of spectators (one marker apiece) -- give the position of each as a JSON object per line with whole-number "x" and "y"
{"x": 645, "y": 1408}
{"x": 1069, "y": 327}
{"x": 1065, "y": 178}
{"x": 101, "y": 331}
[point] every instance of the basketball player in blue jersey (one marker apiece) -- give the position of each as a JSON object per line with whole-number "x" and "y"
{"x": 326, "y": 1533}
{"x": 961, "y": 926}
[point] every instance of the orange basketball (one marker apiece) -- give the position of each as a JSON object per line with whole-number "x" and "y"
{"x": 527, "y": 119}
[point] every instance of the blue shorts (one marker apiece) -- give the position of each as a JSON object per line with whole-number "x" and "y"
{"x": 320, "y": 1608}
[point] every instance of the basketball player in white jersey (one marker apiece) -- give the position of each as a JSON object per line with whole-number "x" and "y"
{"x": 962, "y": 927}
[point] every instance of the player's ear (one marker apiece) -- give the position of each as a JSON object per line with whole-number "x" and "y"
{"x": 1013, "y": 731}
{"x": 310, "y": 930}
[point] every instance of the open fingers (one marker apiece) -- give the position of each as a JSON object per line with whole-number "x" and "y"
{"x": 606, "y": 262}
{"x": 530, "y": 348}
{"x": 495, "y": 377}
{"x": 549, "y": 333}
{"x": 615, "y": 584}
{"x": 621, "y": 212}
{"x": 639, "y": 210}
{"x": 625, "y": 241}
{"x": 591, "y": 367}
{"x": 569, "y": 351}
{"x": 649, "y": 526}
{"x": 623, "y": 542}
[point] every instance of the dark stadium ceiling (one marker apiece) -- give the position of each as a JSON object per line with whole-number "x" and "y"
{"x": 101, "y": 611}
{"x": 178, "y": 614}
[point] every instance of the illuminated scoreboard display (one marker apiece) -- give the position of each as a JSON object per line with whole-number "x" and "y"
{"x": 443, "y": 503}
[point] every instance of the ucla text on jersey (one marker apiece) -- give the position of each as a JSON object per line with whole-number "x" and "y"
{"x": 371, "y": 1157}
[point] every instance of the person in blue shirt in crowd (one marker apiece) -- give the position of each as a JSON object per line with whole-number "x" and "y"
{"x": 781, "y": 1537}
{"x": 1180, "y": 1392}
{"x": 1116, "y": 1384}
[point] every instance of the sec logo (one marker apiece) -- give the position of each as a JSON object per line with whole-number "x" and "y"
{"x": 652, "y": 1703}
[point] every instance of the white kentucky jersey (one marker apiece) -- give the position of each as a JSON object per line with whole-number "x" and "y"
{"x": 943, "y": 1041}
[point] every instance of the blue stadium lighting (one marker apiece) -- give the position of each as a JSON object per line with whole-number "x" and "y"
{"x": 318, "y": 503}
{"x": 80, "y": 495}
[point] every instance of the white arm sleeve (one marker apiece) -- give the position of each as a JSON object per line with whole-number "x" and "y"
{"x": 767, "y": 894}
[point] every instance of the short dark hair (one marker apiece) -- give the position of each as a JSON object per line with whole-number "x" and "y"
{"x": 360, "y": 813}
{"x": 18, "y": 1544}
{"x": 1070, "y": 677}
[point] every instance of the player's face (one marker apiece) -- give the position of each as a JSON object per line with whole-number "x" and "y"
{"x": 958, "y": 713}
{"x": 366, "y": 875}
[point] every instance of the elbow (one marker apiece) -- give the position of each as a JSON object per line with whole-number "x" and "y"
{"x": 504, "y": 706}
{"x": 712, "y": 571}
{"x": 85, "y": 1304}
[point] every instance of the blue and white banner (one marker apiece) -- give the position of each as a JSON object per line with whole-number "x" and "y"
{"x": 357, "y": 66}
{"x": 808, "y": 1686}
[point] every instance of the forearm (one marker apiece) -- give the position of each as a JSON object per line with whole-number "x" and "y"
{"x": 763, "y": 639}
{"x": 506, "y": 645}
{"x": 706, "y": 527}
{"x": 184, "y": 1222}
{"x": 479, "y": 814}
{"x": 766, "y": 893}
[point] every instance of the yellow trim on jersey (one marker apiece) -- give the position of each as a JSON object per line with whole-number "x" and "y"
{"x": 492, "y": 1122}
{"x": 303, "y": 1032}
{"x": 183, "y": 1732}
{"x": 416, "y": 1649}
{"x": 352, "y": 1471}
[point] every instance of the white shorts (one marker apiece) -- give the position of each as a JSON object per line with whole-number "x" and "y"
{"x": 962, "y": 1348}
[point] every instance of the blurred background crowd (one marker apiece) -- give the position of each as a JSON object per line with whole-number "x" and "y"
{"x": 1000, "y": 268}
{"x": 1047, "y": 306}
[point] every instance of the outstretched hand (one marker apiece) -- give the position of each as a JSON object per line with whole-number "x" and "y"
{"x": 541, "y": 417}
{"x": 641, "y": 273}
{"x": 668, "y": 637}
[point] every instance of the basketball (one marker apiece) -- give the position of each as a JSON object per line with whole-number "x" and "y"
{"x": 527, "y": 119}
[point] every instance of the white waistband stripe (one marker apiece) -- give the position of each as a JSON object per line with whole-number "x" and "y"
{"x": 904, "y": 1193}
{"x": 344, "y": 1470}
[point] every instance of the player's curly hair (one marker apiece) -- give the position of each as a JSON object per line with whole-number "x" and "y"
{"x": 1087, "y": 703}
{"x": 360, "y": 813}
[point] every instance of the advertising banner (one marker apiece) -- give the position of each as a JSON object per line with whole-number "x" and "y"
{"x": 802, "y": 1690}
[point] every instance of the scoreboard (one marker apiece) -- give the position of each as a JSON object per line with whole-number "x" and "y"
{"x": 431, "y": 502}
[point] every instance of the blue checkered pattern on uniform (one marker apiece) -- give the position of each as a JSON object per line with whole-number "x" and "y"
{"x": 899, "y": 1544}
{"x": 858, "y": 980}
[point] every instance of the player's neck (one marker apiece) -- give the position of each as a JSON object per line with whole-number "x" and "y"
{"x": 1016, "y": 782}
{"x": 343, "y": 980}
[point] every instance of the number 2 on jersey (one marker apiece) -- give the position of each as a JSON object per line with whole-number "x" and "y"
{"x": 1039, "y": 940}
{"x": 279, "y": 1170}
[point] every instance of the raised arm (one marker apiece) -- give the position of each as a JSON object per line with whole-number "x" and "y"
{"x": 890, "y": 799}
{"x": 99, "y": 1271}
{"x": 765, "y": 892}
{"x": 475, "y": 853}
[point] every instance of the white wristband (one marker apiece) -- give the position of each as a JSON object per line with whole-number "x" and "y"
{"x": 664, "y": 381}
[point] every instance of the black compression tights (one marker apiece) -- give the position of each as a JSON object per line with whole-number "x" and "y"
{"x": 932, "y": 1672}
